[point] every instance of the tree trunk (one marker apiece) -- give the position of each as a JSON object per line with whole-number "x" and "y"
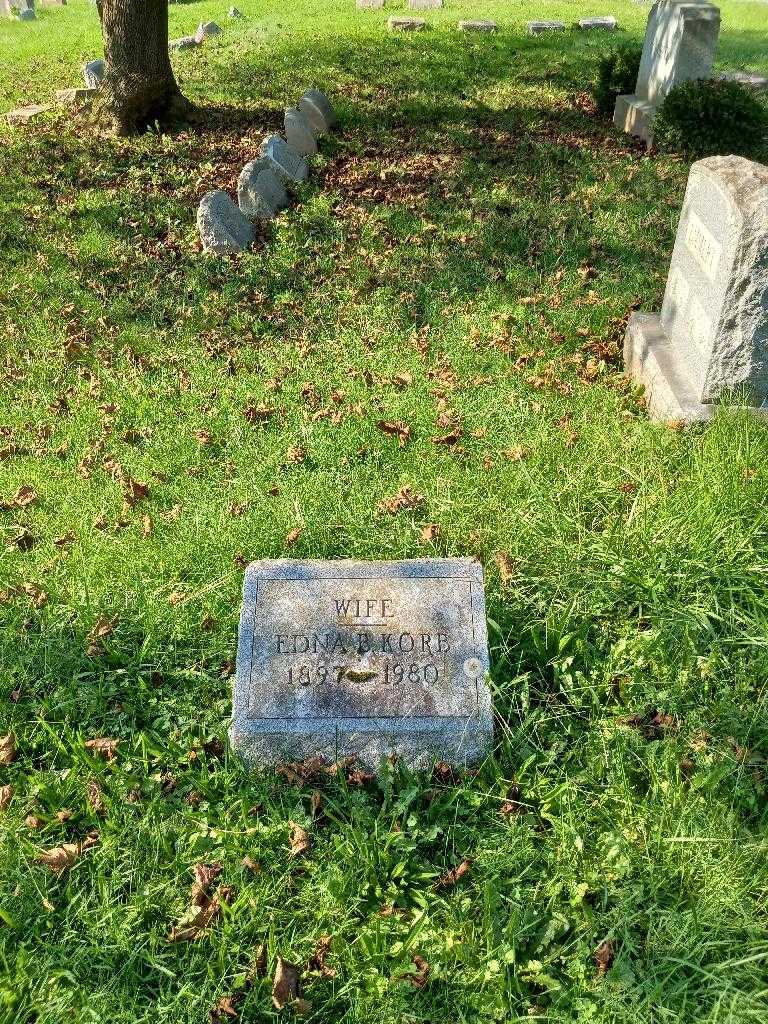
{"x": 139, "y": 86}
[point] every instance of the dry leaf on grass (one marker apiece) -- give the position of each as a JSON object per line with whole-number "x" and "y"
{"x": 223, "y": 1009}
{"x": 430, "y": 532}
{"x": 25, "y": 496}
{"x": 317, "y": 961}
{"x": 419, "y": 978}
{"x": 104, "y": 746}
{"x": 507, "y": 566}
{"x": 452, "y": 876}
{"x": 604, "y": 956}
{"x": 448, "y": 439}
{"x": 512, "y": 804}
{"x": 61, "y": 858}
{"x": 203, "y": 437}
{"x": 205, "y": 908}
{"x": 258, "y": 413}
{"x": 6, "y": 795}
{"x": 251, "y": 864}
{"x": 7, "y": 749}
{"x": 94, "y": 796}
{"x": 38, "y": 597}
{"x": 401, "y": 431}
{"x": 205, "y": 876}
{"x": 286, "y": 986}
{"x": 293, "y": 535}
{"x": 405, "y": 498}
{"x": 259, "y": 968}
{"x": 299, "y": 839}
{"x": 134, "y": 490}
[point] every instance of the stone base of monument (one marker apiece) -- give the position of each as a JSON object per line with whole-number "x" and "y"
{"x": 635, "y": 117}
{"x": 651, "y": 359}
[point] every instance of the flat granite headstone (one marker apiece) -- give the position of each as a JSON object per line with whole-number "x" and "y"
{"x": 710, "y": 341}
{"x": 477, "y": 26}
{"x": 366, "y": 659}
{"x": 260, "y": 193}
{"x": 23, "y": 114}
{"x": 223, "y": 228}
{"x": 298, "y": 133}
{"x": 374, "y": 5}
{"x": 746, "y": 78}
{"x": 72, "y": 97}
{"x": 289, "y": 167}
{"x": 680, "y": 44}
{"x": 603, "y": 22}
{"x": 424, "y": 5}
{"x": 402, "y": 24}
{"x": 535, "y": 28}
{"x": 184, "y": 43}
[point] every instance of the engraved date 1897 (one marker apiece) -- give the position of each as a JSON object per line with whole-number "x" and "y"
{"x": 392, "y": 673}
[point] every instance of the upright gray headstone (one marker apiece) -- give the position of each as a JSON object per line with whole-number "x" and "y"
{"x": 93, "y": 73}
{"x": 298, "y": 133}
{"x": 223, "y": 228}
{"x": 710, "y": 341}
{"x": 365, "y": 659}
{"x": 27, "y": 14}
{"x": 680, "y": 45}
{"x": 206, "y": 29}
{"x": 289, "y": 167}
{"x": 318, "y": 110}
{"x": 75, "y": 97}
{"x": 260, "y": 193}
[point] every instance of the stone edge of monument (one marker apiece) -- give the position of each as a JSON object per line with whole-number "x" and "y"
{"x": 635, "y": 117}
{"x": 417, "y": 742}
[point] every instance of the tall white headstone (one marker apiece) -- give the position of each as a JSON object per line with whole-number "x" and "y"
{"x": 680, "y": 45}
{"x": 710, "y": 341}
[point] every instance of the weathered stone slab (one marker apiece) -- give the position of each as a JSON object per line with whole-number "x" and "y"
{"x": 710, "y": 341}
{"x": 75, "y": 97}
{"x": 206, "y": 29}
{"x": 680, "y": 44}
{"x": 607, "y": 22}
{"x": 535, "y": 28}
{"x": 298, "y": 133}
{"x": 373, "y": 5}
{"x": 424, "y": 5}
{"x": 363, "y": 659}
{"x": 477, "y": 26}
{"x": 27, "y": 14}
{"x": 402, "y": 24}
{"x": 752, "y": 81}
{"x": 289, "y": 167}
{"x": 184, "y": 43}
{"x": 23, "y": 114}
{"x": 260, "y": 193}
{"x": 223, "y": 228}
{"x": 93, "y": 73}
{"x": 317, "y": 109}
{"x": 233, "y": 12}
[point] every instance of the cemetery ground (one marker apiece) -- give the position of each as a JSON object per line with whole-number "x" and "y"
{"x": 421, "y": 357}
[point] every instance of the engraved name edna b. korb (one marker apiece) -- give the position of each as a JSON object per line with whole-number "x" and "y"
{"x": 331, "y": 651}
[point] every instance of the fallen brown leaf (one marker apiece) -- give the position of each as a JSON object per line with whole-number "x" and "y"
{"x": 419, "y": 978}
{"x": 293, "y": 535}
{"x": 224, "y": 1008}
{"x": 203, "y": 437}
{"x": 258, "y": 413}
{"x": 6, "y": 795}
{"x": 430, "y": 532}
{"x": 26, "y": 495}
{"x": 94, "y": 796}
{"x": 604, "y": 956}
{"x": 259, "y": 968}
{"x": 512, "y": 805}
{"x": 299, "y": 839}
{"x": 507, "y": 566}
{"x": 7, "y": 749}
{"x": 134, "y": 490}
{"x": 405, "y": 498}
{"x": 205, "y": 876}
{"x": 286, "y": 983}
{"x": 61, "y": 858}
{"x": 251, "y": 864}
{"x": 452, "y": 876}
{"x": 104, "y": 747}
{"x": 401, "y": 431}
{"x": 317, "y": 961}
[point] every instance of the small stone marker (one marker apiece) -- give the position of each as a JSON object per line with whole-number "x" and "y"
{"x": 206, "y": 29}
{"x": 223, "y": 228}
{"x": 402, "y": 24}
{"x": 184, "y": 43}
{"x": 604, "y": 22}
{"x": 316, "y": 108}
{"x": 535, "y": 28}
{"x": 233, "y": 12}
{"x": 289, "y": 167}
{"x": 711, "y": 338}
{"x": 747, "y": 78}
{"x": 477, "y": 26}
{"x": 23, "y": 114}
{"x": 679, "y": 45}
{"x": 424, "y": 5}
{"x": 27, "y": 14}
{"x": 363, "y": 659}
{"x": 93, "y": 73}
{"x": 374, "y": 5}
{"x": 298, "y": 133}
{"x": 73, "y": 97}
{"x": 260, "y": 193}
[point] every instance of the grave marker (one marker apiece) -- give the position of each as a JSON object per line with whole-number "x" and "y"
{"x": 402, "y": 24}
{"x": 424, "y": 5}
{"x": 680, "y": 44}
{"x": 223, "y": 228}
{"x": 23, "y": 114}
{"x": 317, "y": 109}
{"x": 607, "y": 22}
{"x": 289, "y": 167}
{"x": 363, "y": 658}
{"x": 93, "y": 73}
{"x": 260, "y": 193}
{"x": 477, "y": 26}
{"x": 374, "y": 5}
{"x": 298, "y": 133}
{"x": 535, "y": 28}
{"x": 710, "y": 340}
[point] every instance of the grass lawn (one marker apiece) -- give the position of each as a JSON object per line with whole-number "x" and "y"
{"x": 462, "y": 260}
